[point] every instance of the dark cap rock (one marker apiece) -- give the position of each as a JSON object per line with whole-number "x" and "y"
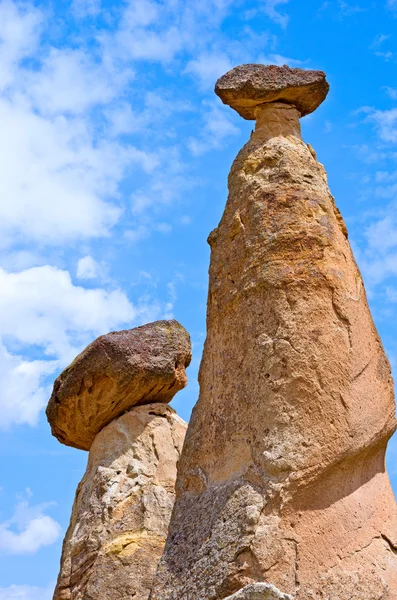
{"x": 116, "y": 372}
{"x": 247, "y": 86}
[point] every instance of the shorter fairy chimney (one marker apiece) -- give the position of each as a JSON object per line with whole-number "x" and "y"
{"x": 112, "y": 400}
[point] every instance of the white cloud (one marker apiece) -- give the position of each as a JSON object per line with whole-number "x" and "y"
{"x": 280, "y": 60}
{"x": 28, "y": 530}
{"x": 141, "y": 13}
{"x": 26, "y": 592}
{"x": 392, "y": 92}
{"x": 392, "y": 4}
{"x": 72, "y": 81}
{"x": 59, "y": 179}
{"x": 86, "y": 8}
{"x": 147, "y": 31}
{"x": 88, "y": 268}
{"x": 208, "y": 67}
{"x": 382, "y": 234}
{"x": 20, "y": 26}
{"x": 379, "y": 39}
{"x": 56, "y": 180}
{"x": 218, "y": 127}
{"x": 41, "y": 306}
{"x": 385, "y": 122}
{"x": 377, "y": 46}
{"x": 157, "y": 109}
{"x": 23, "y": 394}
{"x": 270, "y": 9}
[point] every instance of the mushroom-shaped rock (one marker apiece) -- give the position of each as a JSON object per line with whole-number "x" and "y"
{"x": 114, "y": 373}
{"x": 122, "y": 508}
{"x": 247, "y": 86}
{"x": 282, "y": 489}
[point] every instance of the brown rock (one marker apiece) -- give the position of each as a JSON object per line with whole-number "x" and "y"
{"x": 122, "y": 507}
{"x": 246, "y": 87}
{"x": 282, "y": 477}
{"x": 116, "y": 372}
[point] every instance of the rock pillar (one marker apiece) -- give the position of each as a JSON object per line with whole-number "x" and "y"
{"x": 282, "y": 490}
{"x": 122, "y": 508}
{"x": 112, "y": 401}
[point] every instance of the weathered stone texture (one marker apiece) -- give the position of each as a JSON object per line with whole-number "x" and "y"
{"x": 282, "y": 478}
{"x": 259, "y": 591}
{"x": 114, "y": 373}
{"x": 246, "y": 87}
{"x": 122, "y": 508}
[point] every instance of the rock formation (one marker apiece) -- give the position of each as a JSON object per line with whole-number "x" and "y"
{"x": 123, "y": 504}
{"x": 114, "y": 373}
{"x": 282, "y": 491}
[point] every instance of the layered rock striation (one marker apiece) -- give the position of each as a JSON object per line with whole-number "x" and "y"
{"x": 282, "y": 490}
{"x": 123, "y": 504}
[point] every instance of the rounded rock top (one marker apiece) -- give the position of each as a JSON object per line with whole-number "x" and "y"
{"x": 247, "y": 86}
{"x": 114, "y": 373}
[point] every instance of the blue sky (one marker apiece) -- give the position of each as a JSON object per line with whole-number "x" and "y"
{"x": 114, "y": 155}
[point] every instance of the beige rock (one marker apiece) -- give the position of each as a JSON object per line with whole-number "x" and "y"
{"x": 114, "y": 373}
{"x": 122, "y": 508}
{"x": 259, "y": 591}
{"x": 282, "y": 478}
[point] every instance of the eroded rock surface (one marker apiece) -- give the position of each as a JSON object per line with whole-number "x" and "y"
{"x": 282, "y": 478}
{"x": 114, "y": 373}
{"x": 248, "y": 86}
{"x": 259, "y": 591}
{"x": 122, "y": 508}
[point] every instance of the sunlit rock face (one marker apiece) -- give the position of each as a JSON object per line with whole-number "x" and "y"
{"x": 115, "y": 372}
{"x": 122, "y": 508}
{"x": 282, "y": 477}
{"x": 112, "y": 400}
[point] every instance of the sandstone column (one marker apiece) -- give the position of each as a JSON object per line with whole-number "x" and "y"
{"x": 112, "y": 401}
{"x": 282, "y": 490}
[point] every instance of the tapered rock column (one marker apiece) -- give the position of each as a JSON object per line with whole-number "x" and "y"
{"x": 123, "y": 504}
{"x": 282, "y": 490}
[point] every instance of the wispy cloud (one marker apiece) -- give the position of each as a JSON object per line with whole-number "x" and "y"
{"x": 340, "y": 9}
{"x": 218, "y": 128}
{"x": 26, "y": 592}
{"x": 385, "y": 122}
{"x": 377, "y": 46}
{"x": 280, "y": 60}
{"x": 270, "y": 8}
{"x": 86, "y": 8}
{"x": 88, "y": 268}
{"x": 392, "y": 92}
{"x": 28, "y": 530}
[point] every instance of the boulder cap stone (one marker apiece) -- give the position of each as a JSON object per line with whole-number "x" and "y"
{"x": 247, "y": 86}
{"x": 117, "y": 371}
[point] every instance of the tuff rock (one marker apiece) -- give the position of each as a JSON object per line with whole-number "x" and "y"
{"x": 259, "y": 591}
{"x": 282, "y": 478}
{"x": 122, "y": 507}
{"x": 246, "y": 87}
{"x": 116, "y": 372}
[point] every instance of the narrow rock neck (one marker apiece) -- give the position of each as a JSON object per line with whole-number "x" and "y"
{"x": 276, "y": 119}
